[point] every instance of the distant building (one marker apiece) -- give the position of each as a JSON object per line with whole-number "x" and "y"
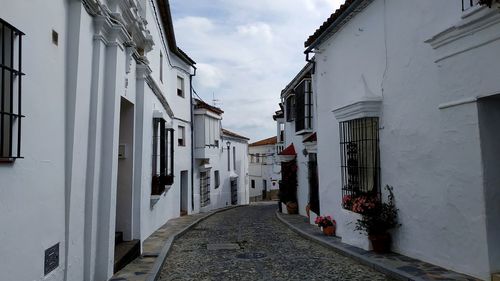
{"x": 264, "y": 170}
{"x": 220, "y": 161}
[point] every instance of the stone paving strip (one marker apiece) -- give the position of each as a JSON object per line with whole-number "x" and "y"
{"x": 394, "y": 265}
{"x": 157, "y": 246}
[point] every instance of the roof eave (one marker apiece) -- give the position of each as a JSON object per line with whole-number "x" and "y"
{"x": 338, "y": 22}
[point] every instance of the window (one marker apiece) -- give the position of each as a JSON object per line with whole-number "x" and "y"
{"x": 181, "y": 136}
{"x": 234, "y": 158}
{"x": 204, "y": 189}
{"x": 253, "y": 183}
{"x": 359, "y": 149}
{"x": 290, "y": 108}
{"x": 10, "y": 92}
{"x": 217, "y": 179}
{"x": 303, "y": 106}
{"x": 163, "y": 154}
{"x": 282, "y": 132}
{"x": 257, "y": 158}
{"x": 264, "y": 184}
{"x": 161, "y": 66}
{"x": 212, "y": 132}
{"x": 180, "y": 86}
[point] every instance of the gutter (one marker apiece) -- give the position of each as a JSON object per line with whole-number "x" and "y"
{"x": 192, "y": 134}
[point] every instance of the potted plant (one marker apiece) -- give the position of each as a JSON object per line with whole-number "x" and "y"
{"x": 292, "y": 207}
{"x": 327, "y": 224}
{"x": 377, "y": 218}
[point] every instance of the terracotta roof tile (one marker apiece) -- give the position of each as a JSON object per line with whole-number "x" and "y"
{"x": 268, "y": 141}
{"x": 201, "y": 104}
{"x": 290, "y": 150}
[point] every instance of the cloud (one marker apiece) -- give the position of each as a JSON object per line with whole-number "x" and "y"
{"x": 247, "y": 51}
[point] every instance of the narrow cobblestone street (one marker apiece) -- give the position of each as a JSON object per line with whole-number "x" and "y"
{"x": 249, "y": 243}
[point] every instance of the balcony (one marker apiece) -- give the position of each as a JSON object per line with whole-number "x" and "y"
{"x": 206, "y": 152}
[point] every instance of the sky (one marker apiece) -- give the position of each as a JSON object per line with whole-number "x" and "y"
{"x": 246, "y": 52}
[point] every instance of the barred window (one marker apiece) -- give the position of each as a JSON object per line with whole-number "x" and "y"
{"x": 204, "y": 189}
{"x": 10, "y": 91}
{"x": 359, "y": 152}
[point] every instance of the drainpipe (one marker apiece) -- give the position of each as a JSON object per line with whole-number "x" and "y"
{"x": 192, "y": 135}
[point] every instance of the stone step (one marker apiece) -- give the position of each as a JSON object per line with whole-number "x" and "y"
{"x": 125, "y": 253}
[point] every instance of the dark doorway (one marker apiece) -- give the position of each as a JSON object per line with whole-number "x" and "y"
{"x": 234, "y": 191}
{"x": 313, "y": 183}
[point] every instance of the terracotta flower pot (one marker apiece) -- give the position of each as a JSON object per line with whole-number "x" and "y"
{"x": 292, "y": 208}
{"x": 329, "y": 230}
{"x": 381, "y": 243}
{"x": 308, "y": 209}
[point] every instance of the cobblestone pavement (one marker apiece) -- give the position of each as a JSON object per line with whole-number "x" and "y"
{"x": 249, "y": 243}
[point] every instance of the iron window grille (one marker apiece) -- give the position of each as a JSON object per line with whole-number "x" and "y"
{"x": 10, "y": 91}
{"x": 290, "y": 108}
{"x": 360, "y": 157}
{"x": 163, "y": 154}
{"x": 303, "y": 106}
{"x": 204, "y": 189}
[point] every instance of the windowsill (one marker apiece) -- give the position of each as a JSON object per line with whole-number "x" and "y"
{"x": 304, "y": 131}
{"x": 7, "y": 160}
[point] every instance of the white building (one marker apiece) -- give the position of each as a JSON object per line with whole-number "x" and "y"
{"x": 264, "y": 169}
{"x": 410, "y": 91}
{"x": 221, "y": 162}
{"x": 299, "y": 139}
{"x": 101, "y": 143}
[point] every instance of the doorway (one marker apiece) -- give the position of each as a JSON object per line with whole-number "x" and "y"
{"x": 184, "y": 193}
{"x": 234, "y": 191}
{"x": 126, "y": 248}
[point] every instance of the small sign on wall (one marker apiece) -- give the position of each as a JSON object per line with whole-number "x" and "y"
{"x": 51, "y": 259}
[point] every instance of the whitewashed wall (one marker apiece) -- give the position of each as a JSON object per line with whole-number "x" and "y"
{"x": 264, "y": 170}
{"x": 431, "y": 155}
{"x": 32, "y": 189}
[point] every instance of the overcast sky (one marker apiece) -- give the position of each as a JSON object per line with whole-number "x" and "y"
{"x": 246, "y": 52}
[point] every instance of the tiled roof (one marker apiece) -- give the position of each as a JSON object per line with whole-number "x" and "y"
{"x": 345, "y": 9}
{"x": 201, "y": 104}
{"x": 268, "y": 141}
{"x": 290, "y": 150}
{"x": 234, "y": 135}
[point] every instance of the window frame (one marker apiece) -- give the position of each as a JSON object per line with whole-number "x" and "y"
{"x": 303, "y": 106}
{"x": 181, "y": 91}
{"x": 360, "y": 157}
{"x": 163, "y": 138}
{"x": 181, "y": 136}
{"x": 290, "y": 108}
{"x": 11, "y": 78}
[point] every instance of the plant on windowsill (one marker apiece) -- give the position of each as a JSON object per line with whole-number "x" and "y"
{"x": 377, "y": 218}
{"x": 327, "y": 224}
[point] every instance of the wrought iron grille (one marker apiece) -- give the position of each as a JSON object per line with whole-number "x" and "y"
{"x": 359, "y": 152}
{"x": 204, "y": 189}
{"x": 10, "y": 91}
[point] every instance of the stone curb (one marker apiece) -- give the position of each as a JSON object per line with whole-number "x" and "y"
{"x": 162, "y": 257}
{"x": 389, "y": 271}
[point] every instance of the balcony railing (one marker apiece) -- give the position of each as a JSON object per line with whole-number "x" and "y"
{"x": 279, "y": 147}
